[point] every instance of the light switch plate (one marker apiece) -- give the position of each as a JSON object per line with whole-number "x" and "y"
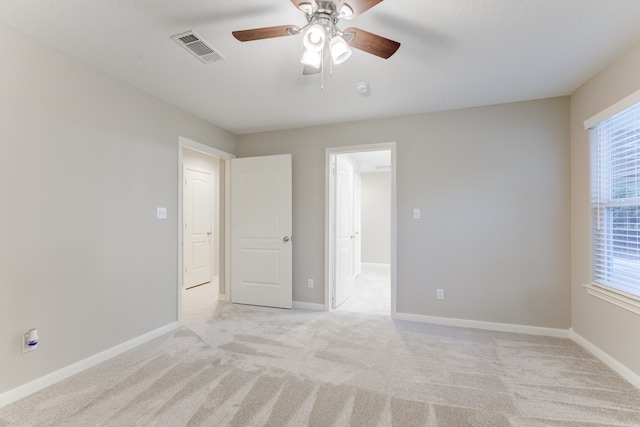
{"x": 416, "y": 213}
{"x": 161, "y": 213}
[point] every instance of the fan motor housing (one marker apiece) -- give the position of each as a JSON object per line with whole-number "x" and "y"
{"x": 326, "y": 10}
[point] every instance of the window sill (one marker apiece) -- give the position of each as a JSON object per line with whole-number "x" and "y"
{"x": 621, "y": 299}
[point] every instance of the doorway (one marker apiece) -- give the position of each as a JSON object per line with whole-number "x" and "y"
{"x": 202, "y": 249}
{"x": 360, "y": 229}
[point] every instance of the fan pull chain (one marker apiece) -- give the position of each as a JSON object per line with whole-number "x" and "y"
{"x": 322, "y": 70}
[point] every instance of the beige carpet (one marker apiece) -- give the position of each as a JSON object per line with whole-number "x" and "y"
{"x": 250, "y": 366}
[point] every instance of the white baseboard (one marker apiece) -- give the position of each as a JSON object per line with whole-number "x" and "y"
{"x": 491, "y": 326}
{"x": 618, "y": 367}
{"x": 61, "y": 374}
{"x": 308, "y": 306}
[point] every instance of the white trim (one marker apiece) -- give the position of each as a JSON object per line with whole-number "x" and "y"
{"x": 628, "y": 302}
{"x": 75, "y": 368}
{"x": 490, "y": 326}
{"x": 194, "y": 145}
{"x": 612, "y": 110}
{"x": 298, "y": 305}
{"x": 227, "y": 230}
{"x": 612, "y": 363}
{"x": 328, "y": 242}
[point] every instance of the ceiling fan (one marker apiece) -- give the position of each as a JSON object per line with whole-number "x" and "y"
{"x": 321, "y": 33}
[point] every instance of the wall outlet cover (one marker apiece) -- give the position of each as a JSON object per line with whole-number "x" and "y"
{"x": 161, "y": 213}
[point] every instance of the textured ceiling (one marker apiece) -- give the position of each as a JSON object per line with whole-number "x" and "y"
{"x": 454, "y": 54}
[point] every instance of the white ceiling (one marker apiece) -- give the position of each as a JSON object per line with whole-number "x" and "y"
{"x": 454, "y": 54}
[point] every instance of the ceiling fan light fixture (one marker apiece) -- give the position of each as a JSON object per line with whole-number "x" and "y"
{"x": 314, "y": 38}
{"x": 340, "y": 50}
{"x": 311, "y": 58}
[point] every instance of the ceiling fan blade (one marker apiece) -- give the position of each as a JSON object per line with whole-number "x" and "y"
{"x": 357, "y": 7}
{"x": 307, "y": 6}
{"x": 307, "y": 70}
{"x": 372, "y": 43}
{"x": 264, "y": 33}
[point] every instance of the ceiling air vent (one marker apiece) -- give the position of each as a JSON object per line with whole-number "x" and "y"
{"x": 197, "y": 47}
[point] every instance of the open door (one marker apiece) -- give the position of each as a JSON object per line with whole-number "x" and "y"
{"x": 357, "y": 224}
{"x": 197, "y": 225}
{"x": 261, "y": 241}
{"x": 345, "y": 231}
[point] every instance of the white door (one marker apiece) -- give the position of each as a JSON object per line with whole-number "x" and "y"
{"x": 357, "y": 224}
{"x": 345, "y": 233}
{"x": 198, "y": 225}
{"x": 261, "y": 245}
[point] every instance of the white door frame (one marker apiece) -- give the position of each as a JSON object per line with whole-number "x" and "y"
{"x": 224, "y": 157}
{"x": 329, "y": 220}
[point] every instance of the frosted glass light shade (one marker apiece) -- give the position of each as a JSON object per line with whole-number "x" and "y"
{"x": 312, "y": 59}
{"x": 314, "y": 38}
{"x": 340, "y": 50}
{"x": 346, "y": 12}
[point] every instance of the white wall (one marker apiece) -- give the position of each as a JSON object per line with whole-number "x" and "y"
{"x": 610, "y": 328}
{"x": 84, "y": 162}
{"x": 493, "y": 186}
{"x": 376, "y": 217}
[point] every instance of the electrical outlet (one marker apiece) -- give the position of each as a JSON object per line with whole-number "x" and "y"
{"x": 440, "y": 293}
{"x": 30, "y": 341}
{"x": 310, "y": 283}
{"x": 161, "y": 213}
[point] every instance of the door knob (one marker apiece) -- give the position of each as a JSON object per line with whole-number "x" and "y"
{"x": 286, "y": 238}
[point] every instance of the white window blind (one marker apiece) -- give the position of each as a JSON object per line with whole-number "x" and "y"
{"x": 615, "y": 201}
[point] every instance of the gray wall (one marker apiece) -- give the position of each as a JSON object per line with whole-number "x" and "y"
{"x": 376, "y": 217}
{"x": 84, "y": 162}
{"x": 493, "y": 186}
{"x": 612, "y": 329}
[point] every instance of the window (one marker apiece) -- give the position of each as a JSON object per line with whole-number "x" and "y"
{"x": 615, "y": 201}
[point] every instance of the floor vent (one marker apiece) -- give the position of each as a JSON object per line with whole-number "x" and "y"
{"x": 197, "y": 47}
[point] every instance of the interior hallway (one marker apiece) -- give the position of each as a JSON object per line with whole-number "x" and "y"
{"x": 372, "y": 295}
{"x": 371, "y": 291}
